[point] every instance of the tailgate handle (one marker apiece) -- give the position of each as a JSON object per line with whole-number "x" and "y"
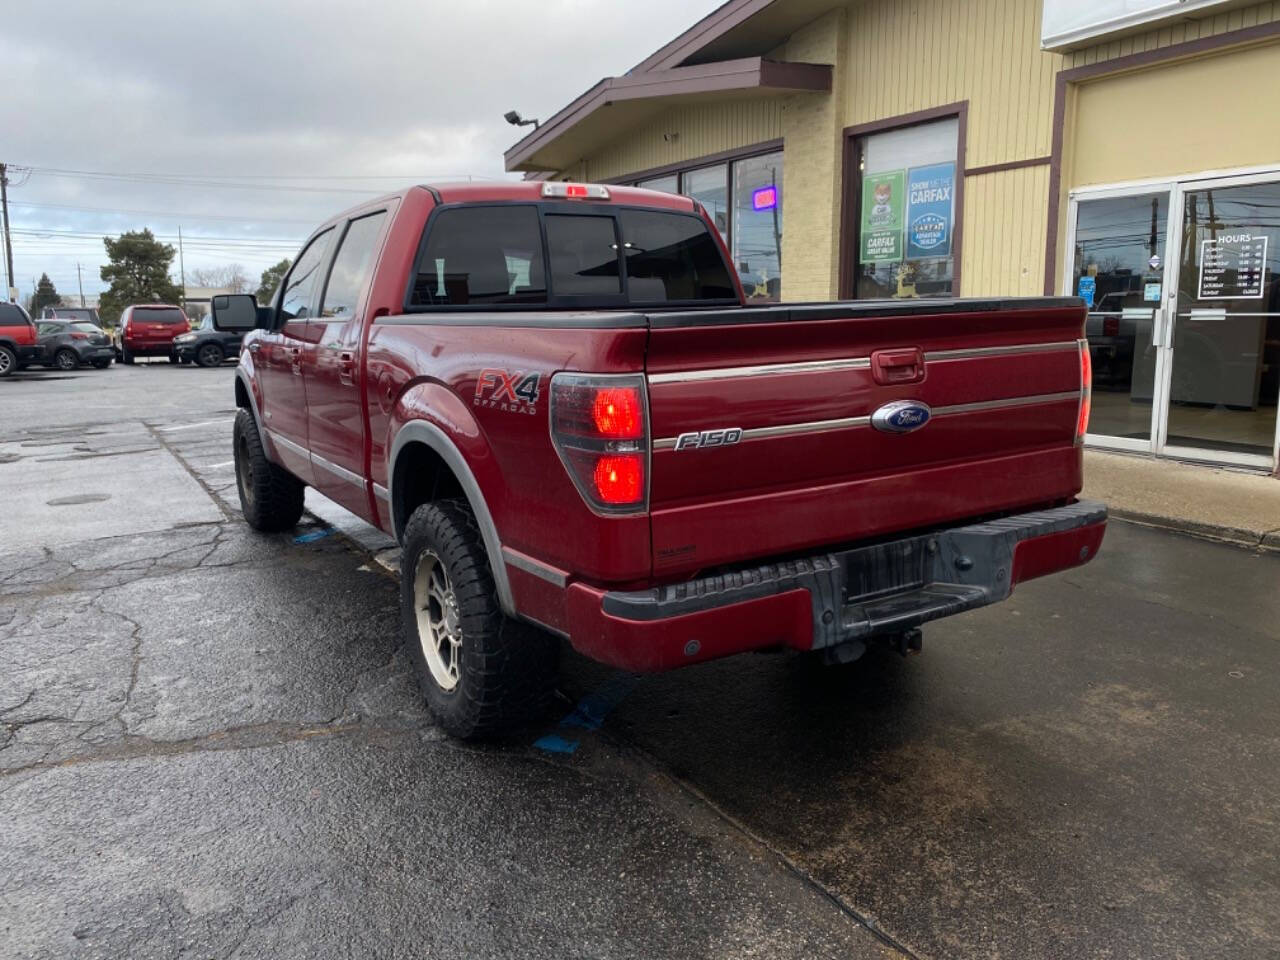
{"x": 898, "y": 366}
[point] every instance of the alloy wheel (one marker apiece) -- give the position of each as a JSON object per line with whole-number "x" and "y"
{"x": 439, "y": 622}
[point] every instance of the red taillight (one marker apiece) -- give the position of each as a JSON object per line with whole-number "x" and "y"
{"x": 616, "y": 412}
{"x": 619, "y": 478}
{"x": 1086, "y": 391}
{"x": 79, "y": 336}
{"x": 600, "y": 429}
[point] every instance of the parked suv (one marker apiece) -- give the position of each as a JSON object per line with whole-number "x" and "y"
{"x": 68, "y": 343}
{"x": 18, "y": 346}
{"x": 86, "y": 314}
{"x": 207, "y": 346}
{"x": 148, "y": 330}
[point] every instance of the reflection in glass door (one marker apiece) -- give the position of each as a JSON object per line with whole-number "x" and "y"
{"x": 1118, "y": 268}
{"x": 1224, "y": 378}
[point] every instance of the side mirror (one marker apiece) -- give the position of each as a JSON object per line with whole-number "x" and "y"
{"x": 234, "y": 312}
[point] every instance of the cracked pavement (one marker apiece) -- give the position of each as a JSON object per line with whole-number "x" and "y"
{"x": 211, "y": 745}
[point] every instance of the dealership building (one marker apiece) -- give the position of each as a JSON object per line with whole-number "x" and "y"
{"x": 1124, "y": 151}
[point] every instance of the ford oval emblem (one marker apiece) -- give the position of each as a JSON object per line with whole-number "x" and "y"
{"x": 901, "y": 416}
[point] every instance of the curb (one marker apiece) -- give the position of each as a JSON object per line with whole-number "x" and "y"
{"x": 1253, "y": 539}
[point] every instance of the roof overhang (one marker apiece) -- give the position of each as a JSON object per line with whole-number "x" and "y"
{"x": 617, "y": 104}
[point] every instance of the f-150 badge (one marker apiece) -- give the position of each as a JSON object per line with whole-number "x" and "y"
{"x": 708, "y": 438}
{"x": 901, "y": 416}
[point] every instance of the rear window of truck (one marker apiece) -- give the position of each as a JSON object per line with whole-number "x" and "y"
{"x": 158, "y": 315}
{"x": 515, "y": 254}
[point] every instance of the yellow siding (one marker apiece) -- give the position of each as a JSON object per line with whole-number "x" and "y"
{"x": 701, "y": 128}
{"x": 1232, "y": 119}
{"x": 910, "y": 55}
{"x": 1005, "y": 217}
{"x": 1179, "y": 31}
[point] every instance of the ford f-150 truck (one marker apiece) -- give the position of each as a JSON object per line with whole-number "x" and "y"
{"x": 554, "y": 397}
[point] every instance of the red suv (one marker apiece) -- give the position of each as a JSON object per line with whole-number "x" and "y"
{"x": 18, "y": 345}
{"x": 147, "y": 330}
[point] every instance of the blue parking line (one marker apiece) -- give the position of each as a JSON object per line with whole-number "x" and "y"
{"x": 314, "y": 535}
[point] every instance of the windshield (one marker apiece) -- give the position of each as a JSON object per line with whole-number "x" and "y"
{"x": 159, "y": 315}
{"x": 76, "y": 313}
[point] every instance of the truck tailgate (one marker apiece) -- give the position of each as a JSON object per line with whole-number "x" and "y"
{"x": 1001, "y": 379}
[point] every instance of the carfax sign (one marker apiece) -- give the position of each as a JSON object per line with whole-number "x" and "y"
{"x": 882, "y": 203}
{"x": 929, "y": 203}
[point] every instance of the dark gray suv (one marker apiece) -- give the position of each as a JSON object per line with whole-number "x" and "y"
{"x": 69, "y": 343}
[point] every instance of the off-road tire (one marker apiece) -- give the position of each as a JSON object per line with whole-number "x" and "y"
{"x": 270, "y": 496}
{"x": 210, "y": 355}
{"x": 8, "y": 361}
{"x": 506, "y": 668}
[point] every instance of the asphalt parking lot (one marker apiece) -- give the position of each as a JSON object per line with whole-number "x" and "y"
{"x": 211, "y": 746}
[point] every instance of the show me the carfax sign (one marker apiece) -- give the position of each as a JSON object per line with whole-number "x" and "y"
{"x": 1068, "y": 24}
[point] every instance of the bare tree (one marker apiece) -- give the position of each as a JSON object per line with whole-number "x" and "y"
{"x": 231, "y": 277}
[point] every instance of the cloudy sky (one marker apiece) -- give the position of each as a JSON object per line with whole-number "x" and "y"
{"x": 248, "y": 123}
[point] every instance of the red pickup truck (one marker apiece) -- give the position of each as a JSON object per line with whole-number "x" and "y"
{"x": 553, "y": 396}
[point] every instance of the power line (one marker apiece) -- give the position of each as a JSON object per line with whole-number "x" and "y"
{"x": 253, "y": 218}
{"x": 270, "y": 176}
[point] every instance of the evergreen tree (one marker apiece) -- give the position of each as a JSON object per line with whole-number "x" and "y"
{"x": 45, "y": 296}
{"x": 271, "y": 278}
{"x": 138, "y": 272}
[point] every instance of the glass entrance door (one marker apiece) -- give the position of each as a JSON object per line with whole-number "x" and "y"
{"x": 1184, "y": 315}
{"x": 1224, "y": 372}
{"x": 1119, "y": 241}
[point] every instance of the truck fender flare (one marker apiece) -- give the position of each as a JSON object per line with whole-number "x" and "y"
{"x": 265, "y": 435}
{"x": 425, "y": 432}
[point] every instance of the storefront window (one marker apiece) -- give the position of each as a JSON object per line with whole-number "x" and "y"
{"x": 757, "y": 226}
{"x": 744, "y": 199}
{"x": 710, "y": 187}
{"x": 906, "y": 212}
{"x": 667, "y": 184}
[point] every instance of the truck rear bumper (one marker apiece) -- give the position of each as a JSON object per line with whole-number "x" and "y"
{"x": 831, "y": 598}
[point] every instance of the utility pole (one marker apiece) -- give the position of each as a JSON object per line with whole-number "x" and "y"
{"x": 80, "y": 282}
{"x": 8, "y": 243}
{"x": 182, "y": 267}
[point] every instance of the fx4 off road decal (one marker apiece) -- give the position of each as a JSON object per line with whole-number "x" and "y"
{"x": 512, "y": 391}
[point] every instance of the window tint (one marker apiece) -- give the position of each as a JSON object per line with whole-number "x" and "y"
{"x": 12, "y": 315}
{"x": 301, "y": 284}
{"x": 584, "y": 256}
{"x": 351, "y": 267}
{"x": 672, "y": 257}
{"x": 46, "y": 328}
{"x": 478, "y": 255}
{"x": 158, "y": 315}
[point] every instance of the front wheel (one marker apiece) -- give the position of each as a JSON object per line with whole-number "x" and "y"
{"x": 8, "y": 361}
{"x": 270, "y": 496}
{"x": 480, "y": 671}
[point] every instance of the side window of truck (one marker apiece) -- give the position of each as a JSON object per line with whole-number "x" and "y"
{"x": 481, "y": 255}
{"x": 672, "y": 257}
{"x": 300, "y": 285}
{"x": 351, "y": 267}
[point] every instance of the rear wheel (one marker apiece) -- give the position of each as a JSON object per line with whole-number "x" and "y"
{"x": 126, "y": 355}
{"x": 480, "y": 671}
{"x": 173, "y": 358}
{"x": 66, "y": 360}
{"x": 8, "y": 361}
{"x": 270, "y": 496}
{"x": 210, "y": 355}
